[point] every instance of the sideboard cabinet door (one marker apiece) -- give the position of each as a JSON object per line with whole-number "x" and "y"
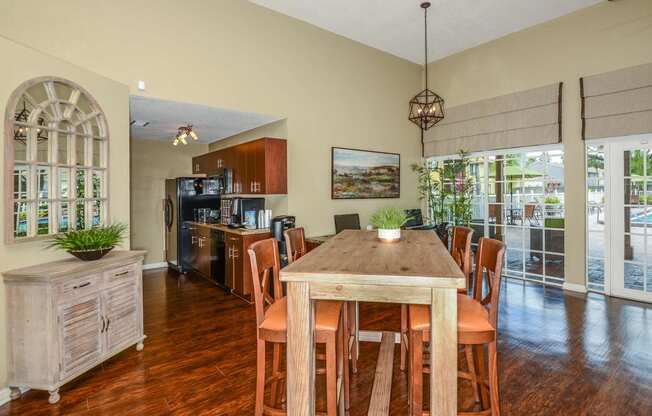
{"x": 80, "y": 334}
{"x": 121, "y": 314}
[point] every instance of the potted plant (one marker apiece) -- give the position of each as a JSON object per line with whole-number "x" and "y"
{"x": 389, "y": 221}
{"x": 91, "y": 244}
{"x": 447, "y": 189}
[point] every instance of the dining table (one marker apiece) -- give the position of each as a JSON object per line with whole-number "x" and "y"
{"x": 355, "y": 265}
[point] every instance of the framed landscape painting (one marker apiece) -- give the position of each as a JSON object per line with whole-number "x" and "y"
{"x": 363, "y": 174}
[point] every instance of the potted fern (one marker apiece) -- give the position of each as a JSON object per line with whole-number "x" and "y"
{"x": 91, "y": 244}
{"x": 389, "y": 221}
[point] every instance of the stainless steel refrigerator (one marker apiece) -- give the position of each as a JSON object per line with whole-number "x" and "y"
{"x": 183, "y": 196}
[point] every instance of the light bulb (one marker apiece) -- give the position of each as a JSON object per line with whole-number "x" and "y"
{"x": 183, "y": 139}
{"x": 193, "y": 135}
{"x": 419, "y": 111}
{"x": 176, "y": 142}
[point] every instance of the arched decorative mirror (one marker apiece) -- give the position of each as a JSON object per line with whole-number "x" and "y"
{"x": 57, "y": 151}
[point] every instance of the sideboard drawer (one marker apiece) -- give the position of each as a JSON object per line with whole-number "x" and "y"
{"x": 121, "y": 274}
{"x": 80, "y": 286}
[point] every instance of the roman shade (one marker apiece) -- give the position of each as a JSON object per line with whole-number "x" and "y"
{"x": 525, "y": 118}
{"x": 617, "y": 103}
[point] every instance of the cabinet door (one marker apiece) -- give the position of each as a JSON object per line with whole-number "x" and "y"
{"x": 257, "y": 166}
{"x": 234, "y": 262}
{"x": 80, "y": 324}
{"x": 120, "y": 305}
{"x": 204, "y": 252}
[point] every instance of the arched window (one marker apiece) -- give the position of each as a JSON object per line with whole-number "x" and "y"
{"x": 57, "y": 149}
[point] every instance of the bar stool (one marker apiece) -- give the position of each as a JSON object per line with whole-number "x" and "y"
{"x": 461, "y": 252}
{"x": 295, "y": 243}
{"x": 271, "y": 325}
{"x": 477, "y": 320}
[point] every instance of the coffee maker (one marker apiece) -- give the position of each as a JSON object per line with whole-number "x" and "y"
{"x": 278, "y": 226}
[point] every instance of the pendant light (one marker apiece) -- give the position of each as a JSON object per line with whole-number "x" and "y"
{"x": 426, "y": 108}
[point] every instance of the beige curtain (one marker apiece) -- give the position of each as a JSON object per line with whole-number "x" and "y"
{"x": 617, "y": 103}
{"x": 525, "y": 118}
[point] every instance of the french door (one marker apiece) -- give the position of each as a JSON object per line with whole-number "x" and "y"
{"x": 628, "y": 238}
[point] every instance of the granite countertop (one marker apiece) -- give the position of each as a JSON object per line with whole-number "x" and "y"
{"x": 227, "y": 229}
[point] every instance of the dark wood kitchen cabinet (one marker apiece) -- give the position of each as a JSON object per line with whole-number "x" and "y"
{"x": 259, "y": 166}
{"x": 238, "y": 265}
{"x": 200, "y": 250}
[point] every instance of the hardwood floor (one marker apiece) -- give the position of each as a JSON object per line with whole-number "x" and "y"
{"x": 560, "y": 354}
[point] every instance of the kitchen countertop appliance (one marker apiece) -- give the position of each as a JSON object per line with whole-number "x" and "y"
{"x": 278, "y": 226}
{"x": 242, "y": 212}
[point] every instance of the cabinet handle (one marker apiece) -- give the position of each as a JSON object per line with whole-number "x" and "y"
{"x": 108, "y": 322}
{"x": 103, "y": 325}
{"x": 197, "y": 167}
{"x": 80, "y": 286}
{"x": 193, "y": 240}
{"x": 121, "y": 273}
{"x": 235, "y": 253}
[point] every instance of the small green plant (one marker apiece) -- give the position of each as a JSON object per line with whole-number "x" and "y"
{"x": 552, "y": 200}
{"x": 389, "y": 218}
{"x": 95, "y": 238}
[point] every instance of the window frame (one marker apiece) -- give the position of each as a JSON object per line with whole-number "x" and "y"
{"x": 484, "y": 197}
{"x": 89, "y": 125}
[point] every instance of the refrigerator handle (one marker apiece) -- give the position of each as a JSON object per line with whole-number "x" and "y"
{"x": 168, "y": 213}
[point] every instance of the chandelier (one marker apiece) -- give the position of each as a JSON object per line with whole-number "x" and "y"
{"x": 20, "y": 133}
{"x": 183, "y": 133}
{"x": 426, "y": 108}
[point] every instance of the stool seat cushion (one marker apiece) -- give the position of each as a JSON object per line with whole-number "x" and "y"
{"x": 471, "y": 316}
{"x": 327, "y": 315}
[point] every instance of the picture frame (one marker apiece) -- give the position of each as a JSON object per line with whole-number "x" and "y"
{"x": 364, "y": 174}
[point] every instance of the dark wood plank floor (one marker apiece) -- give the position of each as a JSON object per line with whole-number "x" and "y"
{"x": 559, "y": 355}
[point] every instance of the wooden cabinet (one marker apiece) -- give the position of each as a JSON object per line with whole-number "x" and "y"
{"x": 259, "y": 166}
{"x": 68, "y": 316}
{"x": 201, "y": 250}
{"x": 238, "y": 263}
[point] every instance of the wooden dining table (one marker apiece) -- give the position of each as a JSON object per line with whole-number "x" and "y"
{"x": 355, "y": 266}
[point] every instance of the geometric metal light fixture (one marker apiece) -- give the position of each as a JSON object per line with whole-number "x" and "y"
{"x": 183, "y": 133}
{"x": 426, "y": 108}
{"x": 20, "y": 133}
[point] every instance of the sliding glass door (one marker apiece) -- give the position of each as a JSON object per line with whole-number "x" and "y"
{"x": 619, "y": 220}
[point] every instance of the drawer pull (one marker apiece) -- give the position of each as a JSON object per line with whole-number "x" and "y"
{"x": 121, "y": 273}
{"x": 103, "y": 325}
{"x": 108, "y": 322}
{"x": 80, "y": 286}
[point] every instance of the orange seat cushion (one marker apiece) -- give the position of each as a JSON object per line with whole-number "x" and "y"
{"x": 471, "y": 316}
{"x": 327, "y": 315}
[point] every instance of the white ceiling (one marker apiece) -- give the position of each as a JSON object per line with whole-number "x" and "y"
{"x": 210, "y": 123}
{"x": 396, "y": 26}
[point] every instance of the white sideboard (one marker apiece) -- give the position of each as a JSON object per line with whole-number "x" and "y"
{"x": 67, "y": 316}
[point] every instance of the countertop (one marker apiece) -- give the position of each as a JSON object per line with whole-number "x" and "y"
{"x": 227, "y": 229}
{"x": 73, "y": 266}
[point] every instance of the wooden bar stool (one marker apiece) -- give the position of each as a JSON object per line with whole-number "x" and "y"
{"x": 295, "y": 243}
{"x": 271, "y": 323}
{"x": 477, "y": 323}
{"x": 461, "y": 252}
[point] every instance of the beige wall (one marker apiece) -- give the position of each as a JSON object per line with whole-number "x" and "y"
{"x": 332, "y": 91}
{"x": 595, "y": 40}
{"x": 152, "y": 162}
{"x": 24, "y": 64}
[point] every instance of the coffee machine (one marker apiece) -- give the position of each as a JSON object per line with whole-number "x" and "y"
{"x": 278, "y": 226}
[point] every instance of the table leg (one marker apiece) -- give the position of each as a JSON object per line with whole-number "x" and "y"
{"x": 443, "y": 356}
{"x": 300, "y": 352}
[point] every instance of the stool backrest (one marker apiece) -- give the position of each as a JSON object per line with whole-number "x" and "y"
{"x": 461, "y": 250}
{"x": 346, "y": 222}
{"x": 265, "y": 267}
{"x": 295, "y": 243}
{"x": 489, "y": 264}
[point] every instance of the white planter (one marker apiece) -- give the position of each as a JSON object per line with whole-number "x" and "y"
{"x": 389, "y": 234}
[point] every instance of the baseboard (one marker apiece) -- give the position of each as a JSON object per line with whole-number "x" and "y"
{"x": 150, "y": 266}
{"x": 574, "y": 287}
{"x": 5, "y": 394}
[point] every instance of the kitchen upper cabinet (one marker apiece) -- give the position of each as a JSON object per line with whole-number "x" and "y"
{"x": 259, "y": 166}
